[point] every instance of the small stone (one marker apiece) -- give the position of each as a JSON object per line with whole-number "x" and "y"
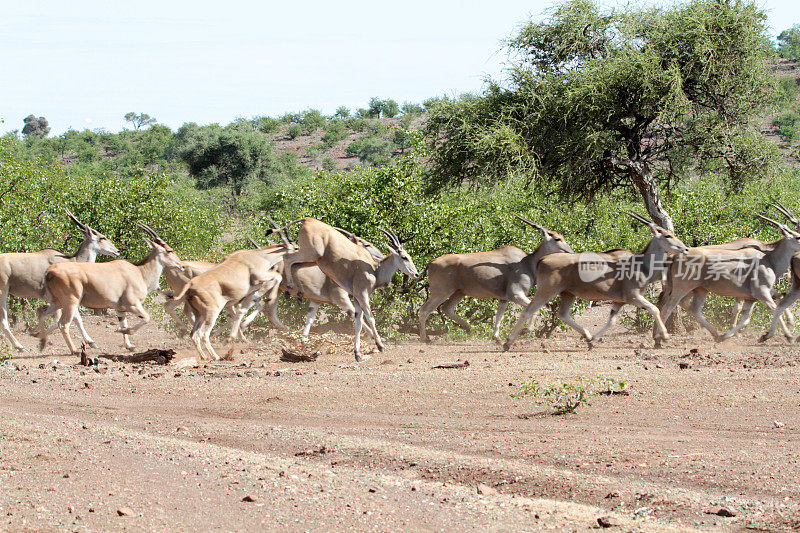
{"x": 87, "y": 385}
{"x": 779, "y": 425}
{"x": 608, "y": 521}
{"x": 123, "y": 511}
{"x": 486, "y": 490}
{"x": 611, "y": 495}
{"x": 250, "y": 498}
{"x": 181, "y": 429}
{"x": 684, "y": 366}
{"x": 722, "y": 511}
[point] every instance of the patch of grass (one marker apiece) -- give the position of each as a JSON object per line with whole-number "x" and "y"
{"x": 565, "y": 397}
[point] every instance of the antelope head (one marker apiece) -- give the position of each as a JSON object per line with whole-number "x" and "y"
{"x": 549, "y": 238}
{"x": 96, "y": 241}
{"x": 665, "y": 238}
{"x": 406, "y": 263}
{"x": 164, "y": 253}
{"x": 791, "y": 236}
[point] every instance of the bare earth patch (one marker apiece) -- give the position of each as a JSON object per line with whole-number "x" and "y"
{"x": 394, "y": 443}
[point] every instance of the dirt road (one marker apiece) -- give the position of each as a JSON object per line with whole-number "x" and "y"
{"x": 393, "y": 443}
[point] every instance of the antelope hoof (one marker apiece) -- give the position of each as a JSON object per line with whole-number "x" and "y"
{"x": 506, "y": 346}
{"x": 42, "y": 343}
{"x": 93, "y": 345}
{"x": 764, "y": 337}
{"x": 361, "y": 358}
{"x": 20, "y": 348}
{"x": 590, "y": 344}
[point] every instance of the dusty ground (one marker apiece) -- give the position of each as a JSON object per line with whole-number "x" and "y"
{"x": 393, "y": 443}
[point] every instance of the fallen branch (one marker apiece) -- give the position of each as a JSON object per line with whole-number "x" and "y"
{"x": 290, "y": 356}
{"x": 162, "y": 357}
{"x": 465, "y": 364}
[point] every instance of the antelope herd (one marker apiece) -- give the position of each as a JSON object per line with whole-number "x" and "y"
{"x": 331, "y": 265}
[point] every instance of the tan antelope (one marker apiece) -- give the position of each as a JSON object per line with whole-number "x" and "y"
{"x": 749, "y": 274}
{"x": 617, "y": 276}
{"x": 177, "y": 278}
{"x": 237, "y": 283}
{"x": 506, "y": 274}
{"x": 351, "y": 266}
{"x": 790, "y": 298}
{"x": 22, "y": 274}
{"x": 782, "y": 309}
{"x": 119, "y": 285}
{"x": 314, "y": 285}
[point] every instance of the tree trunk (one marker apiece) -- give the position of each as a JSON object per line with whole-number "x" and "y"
{"x": 643, "y": 180}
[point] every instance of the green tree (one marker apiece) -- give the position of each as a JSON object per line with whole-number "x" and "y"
{"x": 342, "y": 112}
{"x": 267, "y": 124}
{"x": 382, "y": 108}
{"x": 224, "y": 156}
{"x": 413, "y": 110}
{"x": 139, "y": 120}
{"x": 35, "y": 127}
{"x": 637, "y": 97}
{"x": 789, "y": 43}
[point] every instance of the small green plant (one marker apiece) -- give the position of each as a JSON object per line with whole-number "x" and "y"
{"x": 564, "y": 396}
{"x": 6, "y": 352}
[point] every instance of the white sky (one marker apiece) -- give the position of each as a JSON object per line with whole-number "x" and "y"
{"x": 84, "y": 64}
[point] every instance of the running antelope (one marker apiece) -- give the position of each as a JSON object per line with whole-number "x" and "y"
{"x": 22, "y": 274}
{"x": 749, "y": 274}
{"x": 119, "y": 285}
{"x": 506, "y": 274}
{"x": 237, "y": 283}
{"x": 619, "y": 277}
{"x": 352, "y": 267}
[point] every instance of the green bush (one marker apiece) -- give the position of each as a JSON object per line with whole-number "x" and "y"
{"x": 267, "y": 124}
{"x": 335, "y": 131}
{"x": 294, "y": 131}
{"x": 787, "y": 124}
{"x": 789, "y": 43}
